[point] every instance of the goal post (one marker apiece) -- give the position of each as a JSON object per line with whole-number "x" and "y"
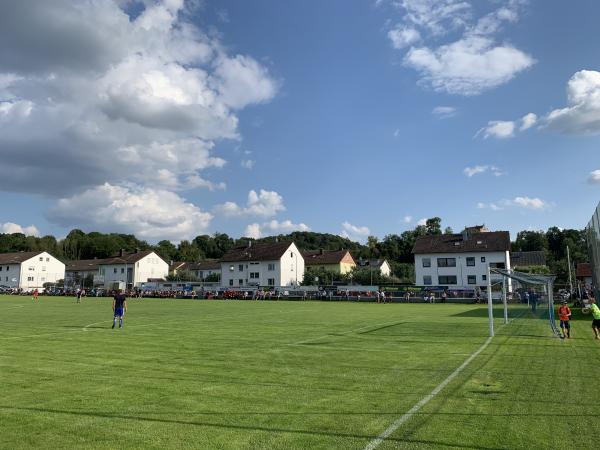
{"x": 526, "y": 282}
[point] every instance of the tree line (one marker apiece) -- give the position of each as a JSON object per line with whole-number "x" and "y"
{"x": 395, "y": 248}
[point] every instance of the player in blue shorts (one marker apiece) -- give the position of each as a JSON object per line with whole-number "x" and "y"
{"x": 119, "y": 308}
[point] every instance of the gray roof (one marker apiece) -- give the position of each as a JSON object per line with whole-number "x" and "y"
{"x": 525, "y": 259}
{"x": 268, "y": 251}
{"x": 492, "y": 241}
{"x": 17, "y": 257}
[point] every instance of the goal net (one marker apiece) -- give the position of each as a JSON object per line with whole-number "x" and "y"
{"x": 534, "y": 290}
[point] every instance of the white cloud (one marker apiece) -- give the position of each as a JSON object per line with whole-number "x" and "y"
{"x": 10, "y": 228}
{"x": 396, "y": 132}
{"x": 499, "y": 129}
{"x": 247, "y": 164}
{"x": 354, "y": 233}
{"x": 273, "y": 227}
{"x": 263, "y": 203}
{"x": 403, "y": 36}
{"x": 407, "y": 219}
{"x": 594, "y": 177}
{"x": 444, "y": 112}
{"x": 148, "y": 213}
{"x": 109, "y": 98}
{"x": 527, "y": 121}
{"x": 422, "y": 222}
{"x": 522, "y": 202}
{"x": 469, "y": 65}
{"x": 471, "y": 171}
{"x": 582, "y": 113}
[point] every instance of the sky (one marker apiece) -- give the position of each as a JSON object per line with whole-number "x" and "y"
{"x": 170, "y": 118}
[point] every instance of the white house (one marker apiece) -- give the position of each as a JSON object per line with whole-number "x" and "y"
{"x": 131, "y": 269}
{"x": 460, "y": 260}
{"x": 30, "y": 270}
{"x": 204, "y": 269}
{"x": 80, "y": 273}
{"x": 264, "y": 264}
{"x": 381, "y": 265}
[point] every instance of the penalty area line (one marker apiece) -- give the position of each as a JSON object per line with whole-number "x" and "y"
{"x": 412, "y": 411}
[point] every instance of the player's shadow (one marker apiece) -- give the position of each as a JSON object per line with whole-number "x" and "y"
{"x": 482, "y": 311}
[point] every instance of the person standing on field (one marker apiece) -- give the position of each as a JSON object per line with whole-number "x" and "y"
{"x": 119, "y": 308}
{"x": 564, "y": 315}
{"x": 593, "y": 308}
{"x": 35, "y": 295}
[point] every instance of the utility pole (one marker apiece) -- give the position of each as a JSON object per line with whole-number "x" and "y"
{"x": 569, "y": 263}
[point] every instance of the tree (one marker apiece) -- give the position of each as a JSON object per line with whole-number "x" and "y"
{"x": 448, "y": 230}
{"x": 166, "y": 250}
{"x": 186, "y": 251}
{"x": 433, "y": 226}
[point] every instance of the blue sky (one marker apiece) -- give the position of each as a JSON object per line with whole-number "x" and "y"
{"x": 172, "y": 119}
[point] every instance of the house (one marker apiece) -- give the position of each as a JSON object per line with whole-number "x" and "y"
{"x": 380, "y": 265}
{"x": 527, "y": 259}
{"x": 460, "y": 260}
{"x": 175, "y": 266}
{"x": 583, "y": 273}
{"x": 336, "y": 261}
{"x": 204, "y": 269}
{"x": 30, "y": 270}
{"x": 81, "y": 273}
{"x": 131, "y": 269}
{"x": 264, "y": 264}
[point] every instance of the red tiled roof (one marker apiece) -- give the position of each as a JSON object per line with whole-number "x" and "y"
{"x": 17, "y": 257}
{"x": 316, "y": 257}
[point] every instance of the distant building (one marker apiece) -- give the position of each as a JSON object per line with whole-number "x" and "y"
{"x": 131, "y": 269}
{"x": 527, "y": 259}
{"x": 30, "y": 270}
{"x": 264, "y": 264}
{"x": 176, "y": 266}
{"x": 460, "y": 260}
{"x": 204, "y": 269}
{"x": 583, "y": 273}
{"x": 78, "y": 272}
{"x": 381, "y": 265}
{"x": 335, "y": 261}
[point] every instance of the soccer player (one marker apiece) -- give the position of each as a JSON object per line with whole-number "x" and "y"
{"x": 564, "y": 314}
{"x": 79, "y": 295}
{"x": 593, "y": 308}
{"x": 35, "y": 295}
{"x": 119, "y": 308}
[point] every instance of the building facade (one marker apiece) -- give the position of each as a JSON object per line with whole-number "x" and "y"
{"x": 30, "y": 270}
{"x": 81, "y": 273}
{"x": 380, "y": 265}
{"x": 460, "y": 260}
{"x": 130, "y": 270}
{"x": 276, "y": 264}
{"x": 335, "y": 261}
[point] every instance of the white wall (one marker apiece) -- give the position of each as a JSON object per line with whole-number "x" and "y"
{"x": 461, "y": 271}
{"x": 150, "y": 266}
{"x": 34, "y": 272}
{"x": 286, "y": 271}
{"x": 10, "y": 275}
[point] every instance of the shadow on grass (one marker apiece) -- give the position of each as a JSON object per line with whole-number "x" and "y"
{"x": 242, "y": 427}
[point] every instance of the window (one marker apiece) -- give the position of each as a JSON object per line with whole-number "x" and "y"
{"x": 470, "y": 260}
{"x": 6, "y": 278}
{"x": 446, "y": 262}
{"x": 426, "y": 262}
{"x": 498, "y": 265}
{"x": 31, "y": 269}
{"x": 472, "y": 279}
{"x": 271, "y": 266}
{"x": 29, "y": 278}
{"x": 447, "y": 279}
{"x": 271, "y": 281}
{"x": 231, "y": 282}
{"x": 0, "y": 268}
{"x": 41, "y": 258}
{"x": 427, "y": 280}
{"x": 292, "y": 254}
{"x": 200, "y": 274}
{"x": 47, "y": 259}
{"x": 240, "y": 267}
{"x": 240, "y": 282}
{"x": 43, "y": 279}
{"x": 255, "y": 275}
{"x": 115, "y": 270}
{"x": 483, "y": 259}
{"x": 43, "y": 268}
{"x": 484, "y": 277}
{"x": 122, "y": 269}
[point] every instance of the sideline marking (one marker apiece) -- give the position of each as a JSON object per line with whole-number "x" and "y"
{"x": 412, "y": 411}
{"x": 89, "y": 325}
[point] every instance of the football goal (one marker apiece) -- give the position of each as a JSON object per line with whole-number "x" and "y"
{"x": 536, "y": 290}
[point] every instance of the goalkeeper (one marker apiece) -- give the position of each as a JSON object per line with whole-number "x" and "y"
{"x": 593, "y": 308}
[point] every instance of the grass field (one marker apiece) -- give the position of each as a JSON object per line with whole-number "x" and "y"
{"x": 289, "y": 375}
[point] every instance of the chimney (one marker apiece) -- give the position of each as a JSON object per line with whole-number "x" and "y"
{"x": 121, "y": 252}
{"x": 171, "y": 262}
{"x": 137, "y": 250}
{"x": 321, "y": 251}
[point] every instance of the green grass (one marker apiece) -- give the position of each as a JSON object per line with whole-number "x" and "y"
{"x": 289, "y": 375}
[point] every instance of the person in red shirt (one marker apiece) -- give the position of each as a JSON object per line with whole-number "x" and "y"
{"x": 564, "y": 314}
{"x": 35, "y": 295}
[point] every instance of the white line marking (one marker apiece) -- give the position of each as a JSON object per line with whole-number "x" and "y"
{"x": 412, "y": 411}
{"x": 89, "y": 325}
{"x": 306, "y": 341}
